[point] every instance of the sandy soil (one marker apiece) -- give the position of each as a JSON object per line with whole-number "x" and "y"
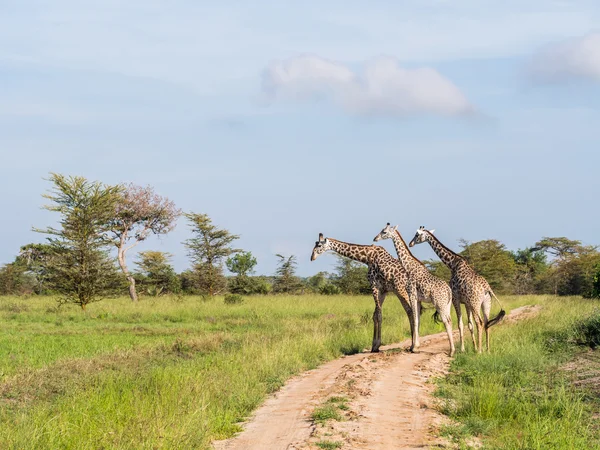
{"x": 389, "y": 401}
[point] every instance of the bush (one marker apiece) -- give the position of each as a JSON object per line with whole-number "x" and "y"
{"x": 262, "y": 286}
{"x": 239, "y": 285}
{"x": 587, "y": 331}
{"x": 329, "y": 289}
{"x": 248, "y": 285}
{"x": 596, "y": 283}
{"x": 351, "y": 277}
{"x": 233, "y": 299}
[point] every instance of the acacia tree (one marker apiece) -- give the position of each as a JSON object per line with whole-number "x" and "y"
{"x": 559, "y": 247}
{"x": 572, "y": 266}
{"x": 14, "y": 279}
{"x": 207, "y": 249}
{"x": 577, "y": 273}
{"x": 438, "y": 268}
{"x": 286, "y": 280}
{"x": 531, "y": 266}
{"x": 241, "y": 264}
{"x": 351, "y": 276}
{"x": 77, "y": 263}
{"x": 321, "y": 283}
{"x": 36, "y": 258}
{"x": 492, "y": 260}
{"x": 139, "y": 213}
{"x": 158, "y": 274}
{"x": 596, "y": 283}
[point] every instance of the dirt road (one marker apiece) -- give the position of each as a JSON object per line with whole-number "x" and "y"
{"x": 388, "y": 402}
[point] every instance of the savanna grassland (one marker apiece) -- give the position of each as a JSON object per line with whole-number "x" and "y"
{"x": 180, "y": 372}
{"x": 540, "y": 386}
{"x": 164, "y": 373}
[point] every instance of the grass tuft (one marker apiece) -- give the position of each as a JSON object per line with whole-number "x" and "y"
{"x": 339, "y": 402}
{"x": 326, "y": 412}
{"x": 587, "y": 331}
{"x": 233, "y": 299}
{"x": 329, "y": 445}
{"x": 330, "y": 409}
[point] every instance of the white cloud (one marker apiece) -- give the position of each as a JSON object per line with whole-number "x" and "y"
{"x": 573, "y": 58}
{"x": 381, "y": 88}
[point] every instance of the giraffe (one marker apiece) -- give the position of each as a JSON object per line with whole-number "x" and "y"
{"x": 468, "y": 287}
{"x": 422, "y": 285}
{"x": 385, "y": 275}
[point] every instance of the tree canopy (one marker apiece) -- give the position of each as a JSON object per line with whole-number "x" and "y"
{"x": 286, "y": 281}
{"x": 492, "y": 260}
{"x": 139, "y": 213}
{"x": 207, "y": 250}
{"x": 77, "y": 263}
{"x": 157, "y": 276}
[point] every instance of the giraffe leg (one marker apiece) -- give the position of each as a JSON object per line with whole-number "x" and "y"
{"x": 418, "y": 324}
{"x": 416, "y": 319}
{"x": 456, "y": 297}
{"x": 471, "y": 326}
{"x": 479, "y": 323}
{"x": 461, "y": 331}
{"x": 377, "y": 296}
{"x": 382, "y": 295}
{"x": 487, "y": 306}
{"x": 447, "y": 319}
{"x": 408, "y": 311}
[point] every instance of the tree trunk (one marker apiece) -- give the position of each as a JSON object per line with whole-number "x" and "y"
{"x": 132, "y": 292}
{"x": 211, "y": 279}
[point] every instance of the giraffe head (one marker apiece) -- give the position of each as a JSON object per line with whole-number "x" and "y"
{"x": 386, "y": 233}
{"x": 421, "y": 236}
{"x": 321, "y": 246}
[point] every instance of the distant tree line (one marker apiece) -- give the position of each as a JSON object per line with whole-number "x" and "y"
{"x": 553, "y": 265}
{"x": 84, "y": 259}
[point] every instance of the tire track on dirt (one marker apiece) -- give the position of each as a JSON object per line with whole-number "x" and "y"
{"x": 391, "y": 404}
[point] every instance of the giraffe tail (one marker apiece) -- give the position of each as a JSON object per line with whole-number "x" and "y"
{"x": 500, "y": 315}
{"x": 436, "y": 317}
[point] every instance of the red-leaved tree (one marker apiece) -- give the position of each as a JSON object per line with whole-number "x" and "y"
{"x": 140, "y": 213}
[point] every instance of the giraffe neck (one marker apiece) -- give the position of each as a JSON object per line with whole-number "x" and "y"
{"x": 356, "y": 252}
{"x": 447, "y": 256}
{"x": 409, "y": 262}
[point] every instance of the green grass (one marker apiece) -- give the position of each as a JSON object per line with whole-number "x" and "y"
{"x": 330, "y": 409}
{"x": 329, "y": 445}
{"x": 339, "y": 402}
{"x": 169, "y": 373}
{"x": 165, "y": 373}
{"x": 326, "y": 412}
{"x": 519, "y": 396}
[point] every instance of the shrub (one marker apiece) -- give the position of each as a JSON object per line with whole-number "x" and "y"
{"x": 329, "y": 445}
{"x": 587, "y": 331}
{"x": 329, "y": 289}
{"x": 325, "y": 413}
{"x": 261, "y": 286}
{"x": 248, "y": 285}
{"x": 233, "y": 299}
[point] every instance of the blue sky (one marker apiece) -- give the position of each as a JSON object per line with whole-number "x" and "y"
{"x": 283, "y": 120}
